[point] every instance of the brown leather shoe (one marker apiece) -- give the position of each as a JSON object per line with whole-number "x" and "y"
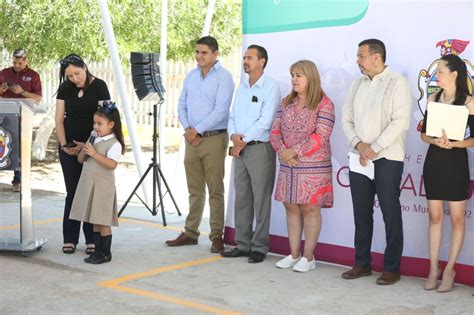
{"x": 181, "y": 240}
{"x": 16, "y": 187}
{"x": 388, "y": 278}
{"x": 357, "y": 272}
{"x": 217, "y": 245}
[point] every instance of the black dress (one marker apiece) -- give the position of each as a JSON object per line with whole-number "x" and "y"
{"x": 446, "y": 171}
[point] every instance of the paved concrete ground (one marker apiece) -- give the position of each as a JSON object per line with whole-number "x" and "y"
{"x": 145, "y": 276}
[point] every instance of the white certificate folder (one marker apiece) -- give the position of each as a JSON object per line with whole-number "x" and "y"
{"x": 355, "y": 166}
{"x": 451, "y": 118}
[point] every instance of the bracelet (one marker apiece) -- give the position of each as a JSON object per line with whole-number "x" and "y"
{"x": 357, "y": 144}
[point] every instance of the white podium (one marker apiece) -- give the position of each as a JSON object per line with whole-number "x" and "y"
{"x": 16, "y": 131}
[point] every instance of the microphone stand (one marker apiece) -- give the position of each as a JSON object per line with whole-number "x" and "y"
{"x": 157, "y": 175}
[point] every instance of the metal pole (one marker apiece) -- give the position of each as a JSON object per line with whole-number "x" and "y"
{"x": 164, "y": 69}
{"x": 210, "y": 11}
{"x": 118, "y": 72}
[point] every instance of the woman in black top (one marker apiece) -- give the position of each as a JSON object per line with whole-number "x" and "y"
{"x": 78, "y": 97}
{"x": 446, "y": 172}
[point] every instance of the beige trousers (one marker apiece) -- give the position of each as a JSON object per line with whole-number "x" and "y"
{"x": 204, "y": 165}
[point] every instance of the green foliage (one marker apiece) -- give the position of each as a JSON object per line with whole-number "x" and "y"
{"x": 51, "y": 29}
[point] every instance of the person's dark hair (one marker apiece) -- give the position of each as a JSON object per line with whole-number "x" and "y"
{"x": 209, "y": 41}
{"x": 20, "y": 53}
{"x": 375, "y": 46}
{"x": 261, "y": 53}
{"x": 455, "y": 63}
{"x": 77, "y": 61}
{"x": 111, "y": 113}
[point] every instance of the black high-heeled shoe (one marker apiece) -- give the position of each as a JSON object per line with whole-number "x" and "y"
{"x": 90, "y": 250}
{"x": 97, "y": 242}
{"x": 69, "y": 249}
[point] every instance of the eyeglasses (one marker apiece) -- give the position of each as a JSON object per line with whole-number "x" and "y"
{"x": 19, "y": 53}
{"x": 71, "y": 59}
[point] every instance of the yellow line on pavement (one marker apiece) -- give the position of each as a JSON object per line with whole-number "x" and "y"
{"x": 157, "y": 271}
{"x": 153, "y": 224}
{"x": 17, "y": 226}
{"x": 171, "y": 299}
{"x": 115, "y": 284}
{"x": 126, "y": 220}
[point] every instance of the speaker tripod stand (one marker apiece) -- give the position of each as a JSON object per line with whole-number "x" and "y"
{"x": 154, "y": 166}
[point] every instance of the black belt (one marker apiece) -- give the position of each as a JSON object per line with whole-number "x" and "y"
{"x": 213, "y": 132}
{"x": 254, "y": 142}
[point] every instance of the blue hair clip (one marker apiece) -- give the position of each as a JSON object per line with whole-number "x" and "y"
{"x": 70, "y": 59}
{"x": 108, "y": 106}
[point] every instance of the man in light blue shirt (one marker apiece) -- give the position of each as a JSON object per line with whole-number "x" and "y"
{"x": 203, "y": 111}
{"x": 255, "y": 104}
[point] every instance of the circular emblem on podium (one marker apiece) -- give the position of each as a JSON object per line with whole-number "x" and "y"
{"x": 5, "y": 148}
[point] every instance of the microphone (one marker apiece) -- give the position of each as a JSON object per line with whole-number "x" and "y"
{"x": 91, "y": 140}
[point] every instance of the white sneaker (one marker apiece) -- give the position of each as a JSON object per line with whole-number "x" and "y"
{"x": 304, "y": 265}
{"x": 287, "y": 262}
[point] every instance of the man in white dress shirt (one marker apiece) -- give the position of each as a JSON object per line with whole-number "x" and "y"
{"x": 375, "y": 118}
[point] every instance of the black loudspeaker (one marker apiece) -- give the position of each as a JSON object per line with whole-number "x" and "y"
{"x": 146, "y": 76}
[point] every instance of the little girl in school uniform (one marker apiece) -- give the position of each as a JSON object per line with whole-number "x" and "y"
{"x": 95, "y": 200}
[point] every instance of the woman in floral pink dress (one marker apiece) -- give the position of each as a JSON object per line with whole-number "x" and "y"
{"x": 300, "y": 136}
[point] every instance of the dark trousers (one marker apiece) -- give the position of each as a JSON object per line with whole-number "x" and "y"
{"x": 386, "y": 185}
{"x": 72, "y": 172}
{"x": 16, "y": 177}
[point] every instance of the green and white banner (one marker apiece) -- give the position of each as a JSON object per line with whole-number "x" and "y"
{"x": 416, "y": 33}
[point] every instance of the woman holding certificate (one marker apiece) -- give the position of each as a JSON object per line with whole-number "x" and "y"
{"x": 446, "y": 172}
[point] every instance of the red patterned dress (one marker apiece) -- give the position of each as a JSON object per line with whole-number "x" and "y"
{"x": 308, "y": 133}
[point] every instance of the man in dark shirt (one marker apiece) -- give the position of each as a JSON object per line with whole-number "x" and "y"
{"x": 19, "y": 81}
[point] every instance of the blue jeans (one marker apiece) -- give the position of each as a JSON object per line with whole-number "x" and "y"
{"x": 386, "y": 185}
